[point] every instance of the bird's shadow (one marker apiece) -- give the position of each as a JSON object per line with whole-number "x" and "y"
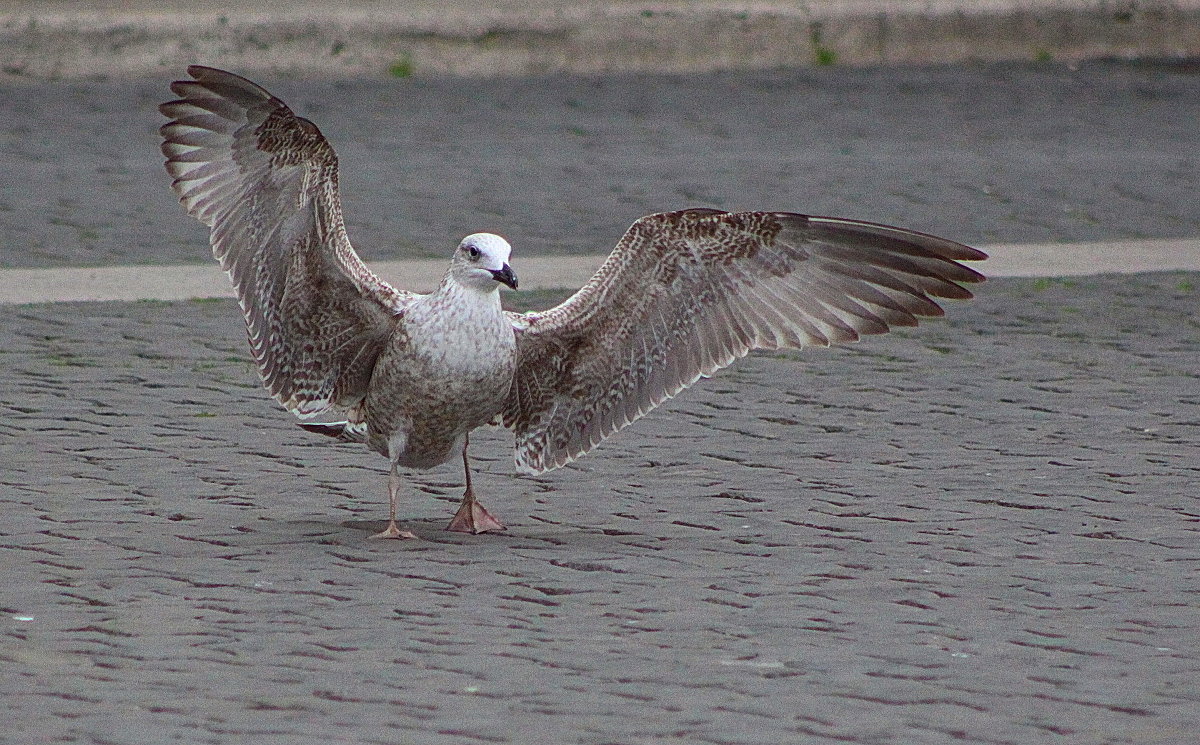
{"x": 524, "y": 535}
{"x": 427, "y": 531}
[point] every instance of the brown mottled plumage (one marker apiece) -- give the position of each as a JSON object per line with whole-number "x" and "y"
{"x": 682, "y": 295}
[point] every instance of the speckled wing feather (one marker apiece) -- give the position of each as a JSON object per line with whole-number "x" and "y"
{"x": 686, "y": 293}
{"x": 265, "y": 181}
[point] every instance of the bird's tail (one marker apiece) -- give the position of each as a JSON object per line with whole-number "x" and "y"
{"x": 344, "y": 431}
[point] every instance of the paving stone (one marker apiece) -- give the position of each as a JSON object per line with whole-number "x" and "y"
{"x": 983, "y": 530}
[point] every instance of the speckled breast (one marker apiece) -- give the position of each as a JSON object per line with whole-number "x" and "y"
{"x": 425, "y": 396}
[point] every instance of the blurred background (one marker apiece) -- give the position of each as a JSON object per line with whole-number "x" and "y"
{"x": 559, "y": 123}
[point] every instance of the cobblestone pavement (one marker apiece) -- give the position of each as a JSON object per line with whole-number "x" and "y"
{"x": 983, "y": 530}
{"x": 997, "y": 153}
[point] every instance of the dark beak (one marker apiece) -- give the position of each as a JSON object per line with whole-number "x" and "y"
{"x": 506, "y": 276}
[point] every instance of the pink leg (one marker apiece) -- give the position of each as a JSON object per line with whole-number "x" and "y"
{"x": 393, "y": 530}
{"x": 471, "y": 516}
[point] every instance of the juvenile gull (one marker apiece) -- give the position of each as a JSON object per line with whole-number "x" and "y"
{"x": 682, "y": 295}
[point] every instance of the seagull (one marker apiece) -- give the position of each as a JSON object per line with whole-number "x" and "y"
{"x": 682, "y": 295}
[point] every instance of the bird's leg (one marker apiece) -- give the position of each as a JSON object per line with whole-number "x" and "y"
{"x": 471, "y": 516}
{"x": 393, "y": 530}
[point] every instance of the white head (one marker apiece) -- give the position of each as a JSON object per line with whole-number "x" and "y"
{"x": 481, "y": 261}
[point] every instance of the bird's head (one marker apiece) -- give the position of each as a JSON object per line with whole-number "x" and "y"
{"x": 481, "y": 261}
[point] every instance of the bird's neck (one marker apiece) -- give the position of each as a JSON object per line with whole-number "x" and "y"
{"x": 463, "y": 327}
{"x": 456, "y": 292}
{"x": 471, "y": 305}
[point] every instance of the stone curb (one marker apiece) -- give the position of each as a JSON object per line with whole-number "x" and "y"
{"x": 39, "y": 40}
{"x": 132, "y": 283}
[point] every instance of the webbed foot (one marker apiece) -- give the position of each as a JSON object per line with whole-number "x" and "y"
{"x": 473, "y": 518}
{"x": 393, "y": 531}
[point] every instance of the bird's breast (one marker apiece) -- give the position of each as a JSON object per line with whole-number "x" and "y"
{"x": 440, "y": 379}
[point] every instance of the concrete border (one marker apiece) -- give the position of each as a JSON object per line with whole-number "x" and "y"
{"x": 45, "y": 39}
{"x": 133, "y": 283}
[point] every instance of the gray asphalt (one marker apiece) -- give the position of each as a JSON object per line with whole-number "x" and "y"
{"x": 984, "y": 154}
{"x": 983, "y": 530}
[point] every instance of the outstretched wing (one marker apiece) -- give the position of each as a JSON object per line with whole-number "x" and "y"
{"x": 686, "y": 293}
{"x": 266, "y": 182}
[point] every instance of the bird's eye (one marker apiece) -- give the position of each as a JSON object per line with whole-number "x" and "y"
{"x": 473, "y": 252}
